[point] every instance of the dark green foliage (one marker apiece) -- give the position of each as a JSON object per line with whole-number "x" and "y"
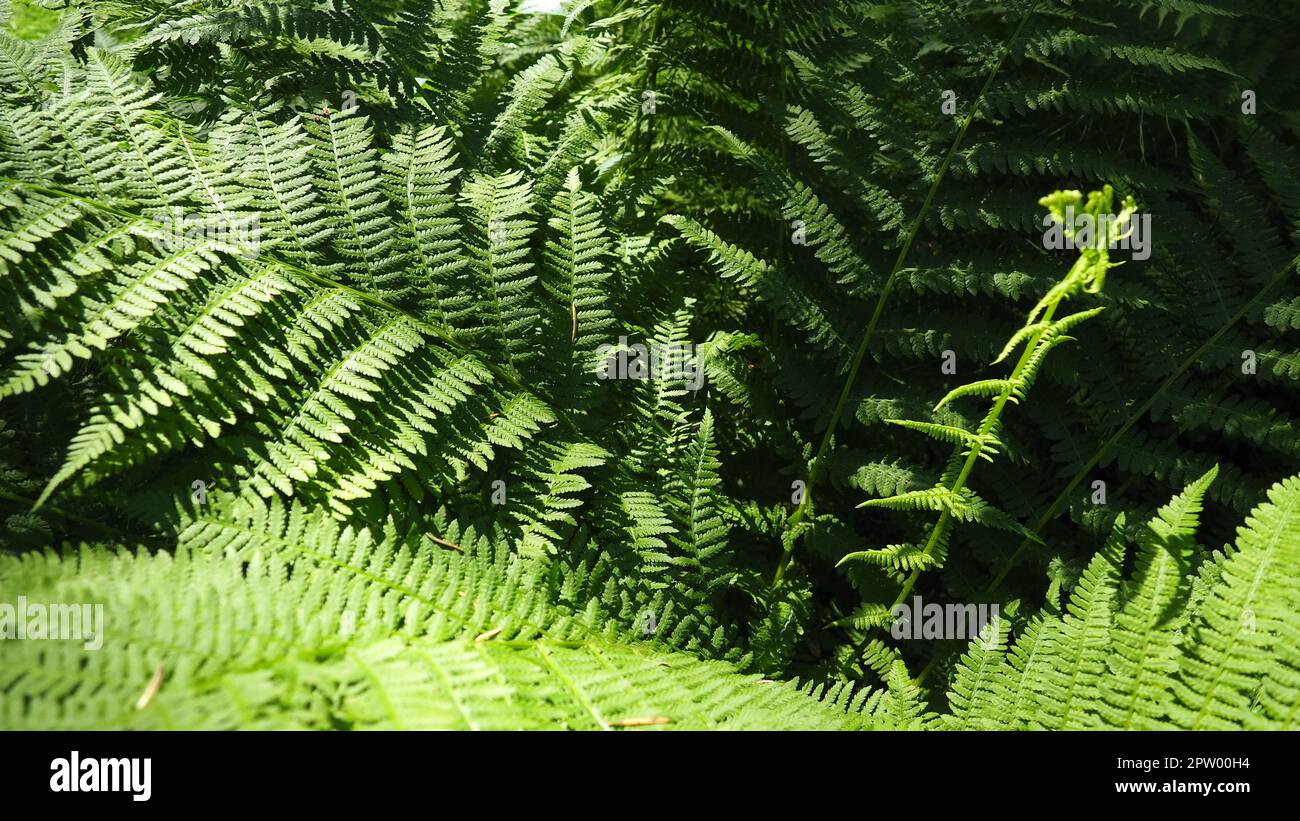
{"x": 305, "y": 310}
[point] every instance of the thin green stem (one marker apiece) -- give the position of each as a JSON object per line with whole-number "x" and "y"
{"x": 1055, "y": 508}
{"x": 817, "y": 464}
{"x": 986, "y": 428}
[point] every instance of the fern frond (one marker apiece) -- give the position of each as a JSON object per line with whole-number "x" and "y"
{"x": 281, "y": 618}
{"x": 503, "y": 207}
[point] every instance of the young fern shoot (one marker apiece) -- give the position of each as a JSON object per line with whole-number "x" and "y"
{"x": 951, "y": 498}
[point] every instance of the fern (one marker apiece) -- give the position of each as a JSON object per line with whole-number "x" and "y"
{"x": 278, "y": 618}
{"x": 1133, "y": 652}
{"x": 951, "y": 498}
{"x": 308, "y": 310}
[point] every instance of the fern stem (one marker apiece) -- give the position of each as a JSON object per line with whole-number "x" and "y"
{"x": 985, "y": 428}
{"x": 1054, "y": 509}
{"x": 816, "y": 466}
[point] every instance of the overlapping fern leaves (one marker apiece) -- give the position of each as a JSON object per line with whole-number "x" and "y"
{"x": 1143, "y": 652}
{"x": 301, "y": 306}
{"x": 278, "y": 617}
{"x": 402, "y": 330}
{"x": 836, "y": 132}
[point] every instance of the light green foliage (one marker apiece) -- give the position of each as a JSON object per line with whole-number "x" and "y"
{"x": 421, "y": 363}
{"x": 1131, "y": 652}
{"x": 279, "y": 618}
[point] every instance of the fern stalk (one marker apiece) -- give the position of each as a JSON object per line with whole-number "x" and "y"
{"x": 1055, "y": 507}
{"x": 1041, "y": 332}
{"x": 986, "y": 428}
{"x": 815, "y": 467}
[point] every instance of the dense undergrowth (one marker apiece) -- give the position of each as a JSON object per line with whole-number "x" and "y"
{"x": 431, "y": 363}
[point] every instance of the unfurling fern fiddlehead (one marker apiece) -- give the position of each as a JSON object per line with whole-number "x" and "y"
{"x": 950, "y": 497}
